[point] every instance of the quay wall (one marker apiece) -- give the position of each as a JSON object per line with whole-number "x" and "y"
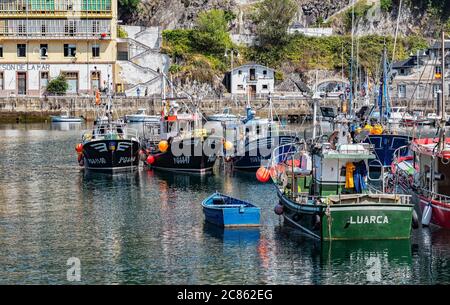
{"x": 34, "y": 109}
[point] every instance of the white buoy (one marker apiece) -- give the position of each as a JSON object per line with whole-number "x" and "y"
{"x": 426, "y": 215}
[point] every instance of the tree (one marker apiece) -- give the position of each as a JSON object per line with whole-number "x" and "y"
{"x": 211, "y": 32}
{"x": 129, "y": 5}
{"x": 272, "y": 19}
{"x": 58, "y": 86}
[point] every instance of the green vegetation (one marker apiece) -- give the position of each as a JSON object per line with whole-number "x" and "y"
{"x": 359, "y": 11}
{"x": 129, "y": 6}
{"x": 272, "y": 19}
{"x": 121, "y": 33}
{"x": 57, "y": 86}
{"x": 199, "y": 53}
{"x": 386, "y": 5}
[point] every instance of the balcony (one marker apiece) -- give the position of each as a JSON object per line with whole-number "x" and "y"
{"x": 55, "y": 29}
{"x": 55, "y": 8}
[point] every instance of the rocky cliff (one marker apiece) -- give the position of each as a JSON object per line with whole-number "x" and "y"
{"x": 416, "y": 16}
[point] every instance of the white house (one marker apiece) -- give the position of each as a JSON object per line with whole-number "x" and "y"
{"x": 252, "y": 79}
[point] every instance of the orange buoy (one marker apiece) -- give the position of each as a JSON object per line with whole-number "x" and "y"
{"x": 263, "y": 174}
{"x": 228, "y": 145}
{"x": 79, "y": 148}
{"x": 296, "y": 163}
{"x": 445, "y": 154}
{"x": 163, "y": 146}
{"x": 150, "y": 159}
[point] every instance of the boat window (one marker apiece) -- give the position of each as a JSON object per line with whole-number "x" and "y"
{"x": 398, "y": 142}
{"x": 375, "y": 141}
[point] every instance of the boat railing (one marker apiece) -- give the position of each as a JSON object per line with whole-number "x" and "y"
{"x": 435, "y": 196}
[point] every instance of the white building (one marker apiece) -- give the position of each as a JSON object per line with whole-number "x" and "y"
{"x": 252, "y": 79}
{"x": 297, "y": 28}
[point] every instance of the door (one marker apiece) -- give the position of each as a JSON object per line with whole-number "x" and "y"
{"x": 72, "y": 82}
{"x": 252, "y": 90}
{"x": 21, "y": 83}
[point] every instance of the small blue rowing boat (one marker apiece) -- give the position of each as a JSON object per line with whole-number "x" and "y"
{"x": 225, "y": 211}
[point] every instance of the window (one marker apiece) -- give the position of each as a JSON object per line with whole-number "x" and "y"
{"x": 44, "y": 80}
{"x": 21, "y": 83}
{"x": 401, "y": 91}
{"x": 240, "y": 87}
{"x": 22, "y": 29}
{"x": 240, "y": 72}
{"x": 43, "y": 29}
{"x": 71, "y": 28}
{"x": 402, "y": 71}
{"x": 70, "y": 50}
{"x": 265, "y": 87}
{"x": 21, "y": 50}
{"x": 264, "y": 72}
{"x": 43, "y": 50}
{"x": 252, "y": 74}
{"x": 1, "y": 81}
{"x": 96, "y": 50}
{"x": 95, "y": 80}
{"x": 95, "y": 27}
{"x": 72, "y": 82}
{"x": 1, "y": 51}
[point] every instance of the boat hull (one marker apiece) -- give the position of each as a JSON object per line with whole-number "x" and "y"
{"x": 254, "y": 157}
{"x": 111, "y": 156}
{"x": 440, "y": 212}
{"x": 56, "y": 119}
{"x": 350, "y": 222}
{"x": 196, "y": 160}
{"x": 232, "y": 217}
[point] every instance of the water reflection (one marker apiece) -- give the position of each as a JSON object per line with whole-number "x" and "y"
{"x": 65, "y": 126}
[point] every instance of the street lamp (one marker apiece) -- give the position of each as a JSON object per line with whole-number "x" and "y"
{"x": 232, "y": 52}
{"x": 42, "y": 51}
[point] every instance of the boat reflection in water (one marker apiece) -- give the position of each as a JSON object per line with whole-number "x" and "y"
{"x": 232, "y": 237}
{"x": 66, "y": 126}
{"x": 367, "y": 261}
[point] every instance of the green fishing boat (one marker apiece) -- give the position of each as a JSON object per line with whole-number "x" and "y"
{"x": 323, "y": 191}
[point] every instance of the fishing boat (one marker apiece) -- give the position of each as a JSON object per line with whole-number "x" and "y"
{"x": 180, "y": 143}
{"x": 141, "y": 116}
{"x": 424, "y": 173}
{"x": 225, "y": 116}
{"x": 111, "y": 146}
{"x": 226, "y": 211}
{"x": 333, "y": 201}
{"x": 65, "y": 117}
{"x": 256, "y": 138}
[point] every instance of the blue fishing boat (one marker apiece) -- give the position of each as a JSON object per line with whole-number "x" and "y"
{"x": 226, "y": 211}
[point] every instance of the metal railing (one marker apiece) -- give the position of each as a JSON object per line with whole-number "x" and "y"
{"x": 54, "y": 7}
{"x": 55, "y": 28}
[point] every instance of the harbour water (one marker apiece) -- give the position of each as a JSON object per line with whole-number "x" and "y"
{"x": 147, "y": 227}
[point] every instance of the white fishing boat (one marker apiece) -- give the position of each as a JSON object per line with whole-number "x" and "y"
{"x": 142, "y": 116}
{"x": 65, "y": 117}
{"x": 225, "y": 116}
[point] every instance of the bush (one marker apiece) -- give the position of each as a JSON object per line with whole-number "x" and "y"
{"x": 121, "y": 33}
{"x": 129, "y": 6}
{"x": 386, "y": 5}
{"x": 58, "y": 86}
{"x": 211, "y": 32}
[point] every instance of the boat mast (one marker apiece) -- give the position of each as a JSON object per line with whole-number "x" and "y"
{"x": 442, "y": 107}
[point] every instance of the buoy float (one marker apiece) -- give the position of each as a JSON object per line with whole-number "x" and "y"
{"x": 150, "y": 159}
{"x": 163, "y": 146}
{"x": 445, "y": 154}
{"x": 228, "y": 145}
{"x": 296, "y": 163}
{"x": 142, "y": 155}
{"x": 79, "y": 148}
{"x": 263, "y": 174}
{"x": 278, "y": 209}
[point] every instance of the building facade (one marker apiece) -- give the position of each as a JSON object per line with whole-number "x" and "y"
{"x": 252, "y": 79}
{"x": 418, "y": 78}
{"x": 43, "y": 39}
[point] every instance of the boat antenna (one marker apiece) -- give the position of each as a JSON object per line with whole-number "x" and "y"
{"x": 351, "y": 60}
